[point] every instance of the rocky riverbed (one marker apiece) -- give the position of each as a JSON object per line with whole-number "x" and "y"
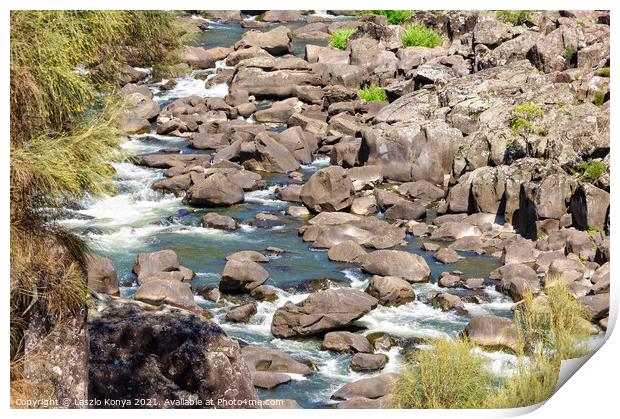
{"x": 327, "y": 236}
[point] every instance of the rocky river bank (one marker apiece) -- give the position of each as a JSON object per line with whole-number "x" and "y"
{"x": 275, "y": 236}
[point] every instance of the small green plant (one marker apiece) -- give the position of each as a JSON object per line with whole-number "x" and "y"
{"x": 592, "y": 231}
{"x": 449, "y": 375}
{"x": 604, "y": 72}
{"x": 418, "y": 34}
{"x": 372, "y": 93}
{"x": 340, "y": 38}
{"x": 523, "y": 117}
{"x": 569, "y": 53}
{"x": 599, "y": 99}
{"x": 516, "y": 17}
{"x": 591, "y": 169}
{"x": 394, "y": 17}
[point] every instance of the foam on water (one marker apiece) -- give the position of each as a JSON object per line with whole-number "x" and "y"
{"x": 265, "y": 197}
{"x": 357, "y": 278}
{"x": 192, "y": 86}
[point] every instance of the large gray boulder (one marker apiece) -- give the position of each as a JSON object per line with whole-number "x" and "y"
{"x": 346, "y": 342}
{"x": 590, "y": 207}
{"x": 322, "y": 311}
{"x": 101, "y": 275}
{"x": 167, "y": 291}
{"x": 152, "y": 264}
{"x": 216, "y": 190}
{"x": 276, "y": 41}
{"x": 493, "y": 332}
{"x": 369, "y": 388}
{"x": 242, "y": 276}
{"x": 390, "y": 290}
{"x": 329, "y": 189}
{"x": 408, "y": 266}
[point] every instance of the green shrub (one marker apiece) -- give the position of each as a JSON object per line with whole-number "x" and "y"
{"x": 599, "y": 99}
{"x": 604, "y": 72}
{"x": 394, "y": 17}
{"x": 418, "y": 34}
{"x": 523, "y": 117}
{"x": 449, "y": 375}
{"x": 372, "y": 93}
{"x": 591, "y": 169}
{"x": 516, "y": 17}
{"x": 568, "y": 54}
{"x": 592, "y": 231}
{"x": 340, "y": 37}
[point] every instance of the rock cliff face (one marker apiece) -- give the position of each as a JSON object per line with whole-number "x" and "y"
{"x": 163, "y": 355}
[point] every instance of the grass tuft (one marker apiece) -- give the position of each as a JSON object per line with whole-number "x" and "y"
{"x": 394, "y": 17}
{"x": 418, "y": 34}
{"x": 340, "y": 38}
{"x": 372, "y": 92}
{"x": 515, "y": 17}
{"x": 604, "y": 72}
{"x": 449, "y": 375}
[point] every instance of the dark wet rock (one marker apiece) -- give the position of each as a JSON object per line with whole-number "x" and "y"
{"x": 101, "y": 275}
{"x": 241, "y": 314}
{"x": 221, "y": 222}
{"x": 193, "y": 357}
{"x": 390, "y": 290}
{"x": 346, "y": 342}
{"x": 242, "y": 276}
{"x": 215, "y": 191}
{"x": 328, "y": 189}
{"x": 398, "y": 263}
{"x": 370, "y": 388}
{"x": 493, "y": 332}
{"x": 368, "y": 362}
{"x": 321, "y": 311}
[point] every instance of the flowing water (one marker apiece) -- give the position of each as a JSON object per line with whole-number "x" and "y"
{"x": 138, "y": 219}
